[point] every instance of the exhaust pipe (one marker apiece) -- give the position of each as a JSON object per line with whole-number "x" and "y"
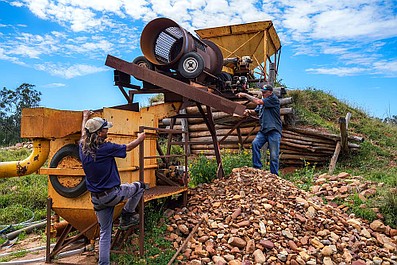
{"x": 166, "y": 44}
{"x": 41, "y": 149}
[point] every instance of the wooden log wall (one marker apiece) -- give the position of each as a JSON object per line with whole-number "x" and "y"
{"x": 299, "y": 145}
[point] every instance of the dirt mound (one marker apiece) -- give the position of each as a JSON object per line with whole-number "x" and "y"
{"x": 256, "y": 217}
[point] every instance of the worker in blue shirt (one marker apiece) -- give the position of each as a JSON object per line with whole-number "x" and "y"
{"x": 103, "y": 180}
{"x": 268, "y": 110}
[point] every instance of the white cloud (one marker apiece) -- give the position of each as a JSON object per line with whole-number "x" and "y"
{"x": 26, "y": 51}
{"x": 54, "y": 85}
{"x": 38, "y": 7}
{"x": 69, "y": 14}
{"x": 137, "y": 9}
{"x": 358, "y": 58}
{"x": 69, "y": 72}
{"x": 349, "y": 23}
{"x": 339, "y": 20}
{"x": 83, "y": 47}
{"x": 339, "y": 71}
{"x": 6, "y": 57}
{"x": 99, "y": 5}
{"x": 26, "y": 45}
{"x": 351, "y": 31}
{"x": 387, "y": 68}
{"x": 16, "y": 3}
{"x": 31, "y": 46}
{"x": 334, "y": 50}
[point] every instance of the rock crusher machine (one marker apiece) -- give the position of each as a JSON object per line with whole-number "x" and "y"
{"x": 188, "y": 70}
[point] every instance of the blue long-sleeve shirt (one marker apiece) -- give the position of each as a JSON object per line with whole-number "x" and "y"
{"x": 269, "y": 114}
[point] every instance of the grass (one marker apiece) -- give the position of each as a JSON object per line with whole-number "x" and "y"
{"x": 302, "y": 178}
{"x": 19, "y": 254}
{"x": 157, "y": 249}
{"x": 203, "y": 170}
{"x": 376, "y": 160}
{"x": 23, "y": 197}
{"x": 13, "y": 155}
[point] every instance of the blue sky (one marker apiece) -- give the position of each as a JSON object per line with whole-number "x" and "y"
{"x": 344, "y": 47}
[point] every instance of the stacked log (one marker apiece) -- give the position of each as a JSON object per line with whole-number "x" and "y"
{"x": 299, "y": 145}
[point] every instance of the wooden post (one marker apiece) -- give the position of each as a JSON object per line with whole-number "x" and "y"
{"x": 334, "y": 158}
{"x": 343, "y": 125}
{"x": 272, "y": 73}
{"x": 342, "y": 144}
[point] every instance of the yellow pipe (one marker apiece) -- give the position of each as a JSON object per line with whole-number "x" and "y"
{"x": 41, "y": 149}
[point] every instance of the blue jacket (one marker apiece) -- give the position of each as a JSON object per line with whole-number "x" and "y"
{"x": 269, "y": 114}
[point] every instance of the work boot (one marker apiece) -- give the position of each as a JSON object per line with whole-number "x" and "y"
{"x": 128, "y": 220}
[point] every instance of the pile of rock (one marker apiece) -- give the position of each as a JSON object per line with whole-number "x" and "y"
{"x": 17, "y": 146}
{"x": 343, "y": 185}
{"x": 256, "y": 217}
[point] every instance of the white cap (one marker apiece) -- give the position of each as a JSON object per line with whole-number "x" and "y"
{"x": 97, "y": 123}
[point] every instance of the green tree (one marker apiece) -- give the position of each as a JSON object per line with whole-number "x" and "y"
{"x": 11, "y": 104}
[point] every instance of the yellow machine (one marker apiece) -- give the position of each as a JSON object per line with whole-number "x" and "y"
{"x": 55, "y": 133}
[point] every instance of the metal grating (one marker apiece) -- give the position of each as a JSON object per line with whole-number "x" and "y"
{"x": 163, "y": 191}
{"x": 168, "y": 44}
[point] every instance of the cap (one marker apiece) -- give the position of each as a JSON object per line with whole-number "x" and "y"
{"x": 97, "y": 123}
{"x": 266, "y": 87}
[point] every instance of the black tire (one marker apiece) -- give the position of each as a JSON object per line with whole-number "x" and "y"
{"x": 191, "y": 65}
{"x": 143, "y": 62}
{"x": 70, "y": 150}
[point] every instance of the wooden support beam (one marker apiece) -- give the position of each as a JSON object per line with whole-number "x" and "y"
{"x": 334, "y": 158}
{"x": 343, "y": 125}
{"x": 209, "y": 120}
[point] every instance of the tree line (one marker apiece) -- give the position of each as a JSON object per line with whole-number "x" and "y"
{"x": 12, "y": 101}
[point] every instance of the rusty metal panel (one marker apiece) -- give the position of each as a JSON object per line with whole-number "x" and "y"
{"x": 163, "y": 191}
{"x": 214, "y": 32}
{"x": 233, "y": 29}
{"x": 49, "y": 123}
{"x": 176, "y": 86}
{"x": 244, "y": 39}
{"x": 250, "y": 27}
{"x": 162, "y": 111}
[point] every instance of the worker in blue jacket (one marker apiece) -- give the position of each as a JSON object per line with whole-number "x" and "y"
{"x": 268, "y": 110}
{"x": 103, "y": 180}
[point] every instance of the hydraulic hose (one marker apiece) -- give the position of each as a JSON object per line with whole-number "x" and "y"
{"x": 42, "y": 259}
{"x": 28, "y": 229}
